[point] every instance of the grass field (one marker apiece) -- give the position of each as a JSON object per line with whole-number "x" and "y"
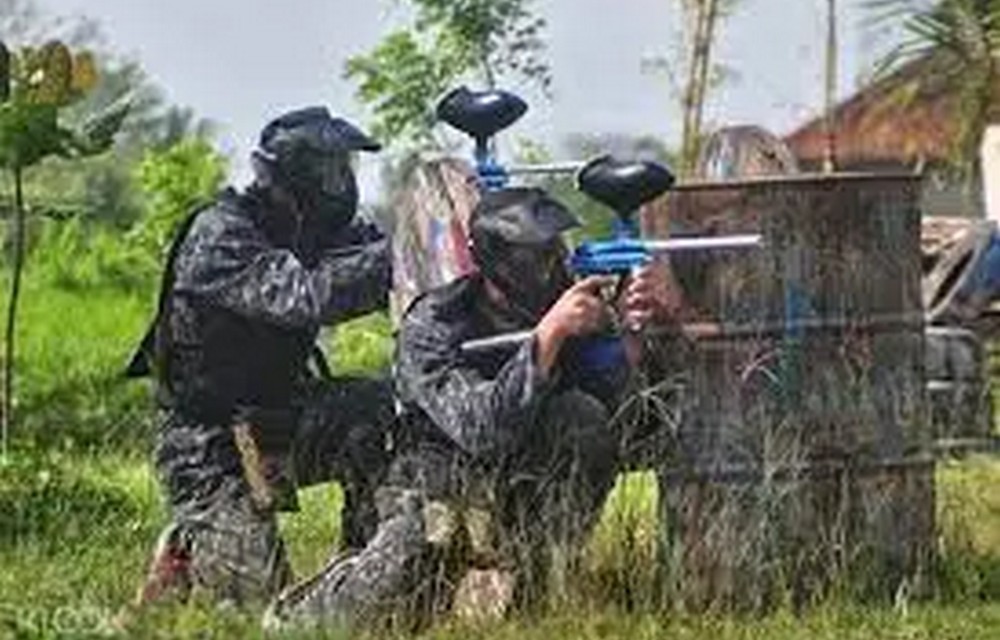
{"x": 80, "y": 509}
{"x": 77, "y": 528}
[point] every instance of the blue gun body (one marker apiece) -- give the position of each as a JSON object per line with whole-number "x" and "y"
{"x": 618, "y": 256}
{"x": 492, "y": 175}
{"x": 610, "y": 257}
{"x": 624, "y": 253}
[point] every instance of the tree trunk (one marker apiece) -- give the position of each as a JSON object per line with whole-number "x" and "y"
{"x": 704, "y": 20}
{"x": 7, "y": 417}
{"x": 704, "y": 60}
{"x": 830, "y": 106}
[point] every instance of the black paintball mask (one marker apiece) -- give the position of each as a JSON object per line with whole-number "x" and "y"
{"x": 516, "y": 244}
{"x": 307, "y": 154}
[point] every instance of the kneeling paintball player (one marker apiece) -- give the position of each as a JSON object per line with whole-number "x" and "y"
{"x": 506, "y": 457}
{"x": 249, "y": 281}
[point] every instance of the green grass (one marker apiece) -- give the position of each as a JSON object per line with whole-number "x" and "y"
{"x": 79, "y": 506}
{"x": 72, "y": 349}
{"x": 968, "y": 495}
{"x": 80, "y": 510}
{"x": 76, "y": 530}
{"x": 362, "y": 346}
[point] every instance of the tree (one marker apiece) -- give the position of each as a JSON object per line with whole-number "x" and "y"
{"x": 702, "y": 18}
{"x": 699, "y": 72}
{"x": 98, "y": 189}
{"x": 954, "y": 45}
{"x": 450, "y": 40}
{"x": 36, "y": 86}
{"x": 830, "y": 89}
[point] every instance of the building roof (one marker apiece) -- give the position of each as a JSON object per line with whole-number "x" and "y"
{"x": 878, "y": 125}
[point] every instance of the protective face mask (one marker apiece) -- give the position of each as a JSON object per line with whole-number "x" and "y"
{"x": 531, "y": 277}
{"x": 324, "y": 186}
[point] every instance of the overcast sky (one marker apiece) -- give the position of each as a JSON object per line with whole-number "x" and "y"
{"x": 239, "y": 62}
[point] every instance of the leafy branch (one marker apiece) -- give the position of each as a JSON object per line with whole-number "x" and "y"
{"x": 949, "y": 47}
{"x": 36, "y": 85}
{"x": 450, "y": 40}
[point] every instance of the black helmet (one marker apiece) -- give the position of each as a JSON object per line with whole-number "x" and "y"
{"x": 308, "y": 154}
{"x": 516, "y": 243}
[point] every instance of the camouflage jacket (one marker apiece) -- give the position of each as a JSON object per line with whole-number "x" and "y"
{"x": 477, "y": 403}
{"x": 243, "y": 298}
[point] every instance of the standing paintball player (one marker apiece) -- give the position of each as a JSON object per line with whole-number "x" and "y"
{"x": 520, "y": 442}
{"x": 248, "y": 283}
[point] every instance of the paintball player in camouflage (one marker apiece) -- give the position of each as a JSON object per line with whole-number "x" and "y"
{"x": 505, "y": 458}
{"x": 249, "y": 281}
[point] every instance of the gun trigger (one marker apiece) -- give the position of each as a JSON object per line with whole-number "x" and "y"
{"x": 620, "y": 287}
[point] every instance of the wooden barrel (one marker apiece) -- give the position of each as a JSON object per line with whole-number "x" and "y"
{"x": 430, "y": 241}
{"x": 803, "y": 458}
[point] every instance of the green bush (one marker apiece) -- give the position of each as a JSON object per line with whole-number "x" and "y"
{"x": 74, "y": 255}
{"x": 174, "y": 182}
{"x": 70, "y": 251}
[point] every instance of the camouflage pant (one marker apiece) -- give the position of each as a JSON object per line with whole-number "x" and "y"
{"x": 540, "y": 502}
{"x": 220, "y": 538}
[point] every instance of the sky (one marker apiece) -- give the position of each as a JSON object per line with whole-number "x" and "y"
{"x": 241, "y": 62}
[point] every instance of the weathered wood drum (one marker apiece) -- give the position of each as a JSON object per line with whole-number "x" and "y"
{"x": 802, "y": 460}
{"x": 430, "y": 241}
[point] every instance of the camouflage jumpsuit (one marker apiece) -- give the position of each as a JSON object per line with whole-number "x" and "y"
{"x": 483, "y": 434}
{"x": 244, "y": 295}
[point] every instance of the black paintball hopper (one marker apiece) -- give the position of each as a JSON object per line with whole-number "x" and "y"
{"x": 624, "y": 186}
{"x": 481, "y": 114}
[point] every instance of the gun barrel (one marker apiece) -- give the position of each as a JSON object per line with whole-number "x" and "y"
{"x": 552, "y": 168}
{"x": 502, "y": 341}
{"x": 709, "y": 331}
{"x": 702, "y": 244}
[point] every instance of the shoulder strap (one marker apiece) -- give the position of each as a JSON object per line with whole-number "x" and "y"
{"x": 144, "y": 357}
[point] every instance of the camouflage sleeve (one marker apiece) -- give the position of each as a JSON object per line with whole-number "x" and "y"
{"x": 480, "y": 415}
{"x": 229, "y": 262}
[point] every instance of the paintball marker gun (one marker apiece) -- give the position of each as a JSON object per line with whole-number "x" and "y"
{"x": 482, "y": 115}
{"x": 625, "y": 187}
